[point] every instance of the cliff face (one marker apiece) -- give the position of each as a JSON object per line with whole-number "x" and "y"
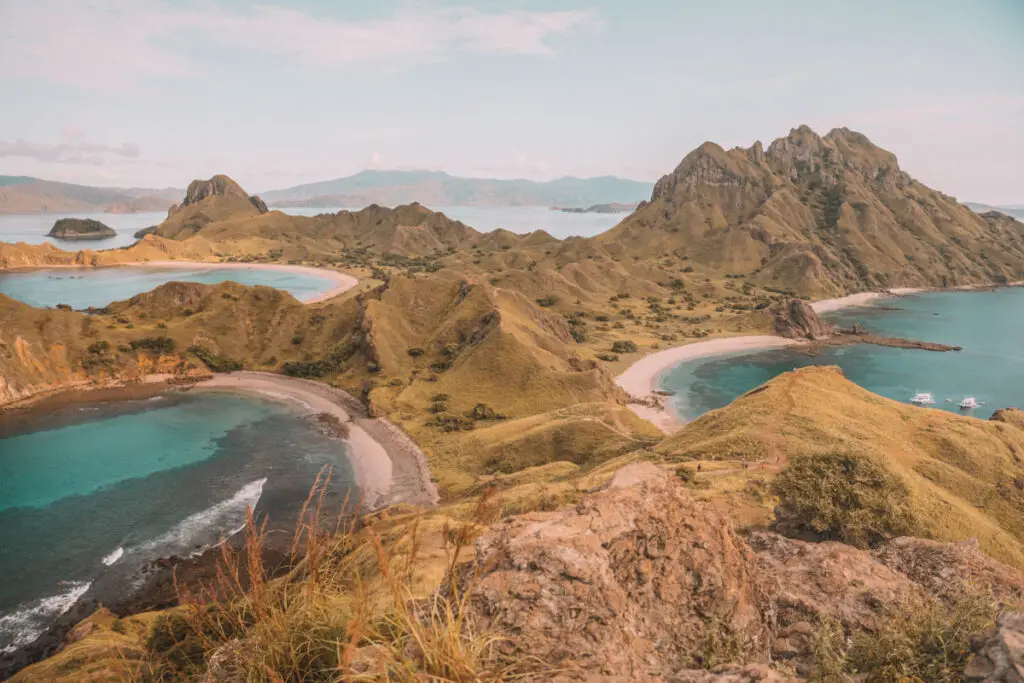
{"x": 821, "y": 216}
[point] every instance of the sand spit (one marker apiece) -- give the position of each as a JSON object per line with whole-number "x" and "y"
{"x": 389, "y": 468}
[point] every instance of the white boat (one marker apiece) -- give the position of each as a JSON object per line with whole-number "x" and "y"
{"x": 923, "y": 398}
{"x": 970, "y": 402}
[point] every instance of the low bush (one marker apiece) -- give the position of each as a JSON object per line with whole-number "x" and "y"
{"x": 624, "y": 346}
{"x": 99, "y": 347}
{"x": 855, "y": 499}
{"x": 154, "y": 344}
{"x": 213, "y": 361}
{"x": 415, "y": 352}
{"x": 547, "y": 301}
{"x": 607, "y": 357}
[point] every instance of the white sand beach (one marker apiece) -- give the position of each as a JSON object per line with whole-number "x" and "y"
{"x": 640, "y": 379}
{"x": 860, "y": 299}
{"x": 342, "y": 282}
{"x": 387, "y": 465}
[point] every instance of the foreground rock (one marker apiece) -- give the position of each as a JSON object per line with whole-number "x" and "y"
{"x": 80, "y": 229}
{"x": 642, "y": 582}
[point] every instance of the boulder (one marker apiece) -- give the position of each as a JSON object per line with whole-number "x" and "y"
{"x": 796, "y": 319}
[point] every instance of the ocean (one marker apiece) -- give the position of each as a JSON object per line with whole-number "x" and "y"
{"x": 989, "y": 325}
{"x": 96, "y": 491}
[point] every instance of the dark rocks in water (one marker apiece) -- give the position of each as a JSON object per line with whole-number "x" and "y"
{"x": 796, "y": 319}
{"x": 80, "y": 229}
{"x": 139, "y": 234}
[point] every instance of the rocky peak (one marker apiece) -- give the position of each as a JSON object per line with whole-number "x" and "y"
{"x": 707, "y": 166}
{"x": 217, "y": 186}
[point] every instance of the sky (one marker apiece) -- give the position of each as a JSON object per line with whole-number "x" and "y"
{"x": 154, "y": 93}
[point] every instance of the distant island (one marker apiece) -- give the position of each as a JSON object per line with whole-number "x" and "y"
{"x": 25, "y": 194}
{"x": 80, "y": 229}
{"x": 439, "y": 189}
{"x": 614, "y": 207}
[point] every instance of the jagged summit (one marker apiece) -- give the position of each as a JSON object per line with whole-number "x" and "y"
{"x": 817, "y": 215}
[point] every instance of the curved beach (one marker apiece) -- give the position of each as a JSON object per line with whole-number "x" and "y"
{"x": 388, "y": 466}
{"x": 640, "y": 378}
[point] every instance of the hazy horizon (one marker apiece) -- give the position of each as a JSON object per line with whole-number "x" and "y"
{"x": 155, "y": 93}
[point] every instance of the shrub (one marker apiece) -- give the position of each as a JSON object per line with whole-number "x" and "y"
{"x": 855, "y": 499}
{"x": 452, "y": 423}
{"x": 482, "y": 411}
{"x": 547, "y": 301}
{"x": 154, "y": 344}
{"x": 624, "y": 346}
{"x": 99, "y": 347}
{"x": 316, "y": 368}
{"x": 63, "y": 307}
{"x": 607, "y": 357}
{"x": 213, "y": 361}
{"x": 297, "y": 339}
{"x": 415, "y": 352}
{"x": 923, "y": 639}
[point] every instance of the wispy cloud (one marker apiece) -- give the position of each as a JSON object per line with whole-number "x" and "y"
{"x": 88, "y": 42}
{"x": 68, "y": 152}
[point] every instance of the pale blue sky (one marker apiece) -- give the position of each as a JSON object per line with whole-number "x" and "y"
{"x": 157, "y": 92}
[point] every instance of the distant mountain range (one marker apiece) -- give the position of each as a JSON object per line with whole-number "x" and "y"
{"x": 1015, "y": 210}
{"x": 436, "y": 188}
{"x": 24, "y": 194}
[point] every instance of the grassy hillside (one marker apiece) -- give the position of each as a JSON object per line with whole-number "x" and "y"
{"x": 964, "y": 476}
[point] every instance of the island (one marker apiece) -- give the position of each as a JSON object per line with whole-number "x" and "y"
{"x": 80, "y": 229}
{"x": 613, "y": 207}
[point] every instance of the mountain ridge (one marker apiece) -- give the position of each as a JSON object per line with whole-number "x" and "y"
{"x": 392, "y": 187}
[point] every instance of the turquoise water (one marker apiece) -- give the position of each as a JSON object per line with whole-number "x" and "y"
{"x": 91, "y": 494}
{"x": 84, "y": 287}
{"x": 32, "y": 228}
{"x": 988, "y": 325}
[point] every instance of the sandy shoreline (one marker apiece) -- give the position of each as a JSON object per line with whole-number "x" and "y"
{"x": 640, "y": 379}
{"x": 388, "y": 467}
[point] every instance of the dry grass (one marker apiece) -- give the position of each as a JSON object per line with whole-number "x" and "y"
{"x": 349, "y": 610}
{"x": 922, "y": 640}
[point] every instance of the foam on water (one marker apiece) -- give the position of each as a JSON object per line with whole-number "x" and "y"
{"x": 195, "y": 533}
{"x": 30, "y": 621}
{"x": 114, "y": 556}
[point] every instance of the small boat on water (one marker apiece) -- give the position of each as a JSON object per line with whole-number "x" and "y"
{"x": 970, "y": 402}
{"x": 923, "y": 398}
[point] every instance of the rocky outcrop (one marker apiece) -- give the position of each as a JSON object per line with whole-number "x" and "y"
{"x": 796, "y": 319}
{"x": 642, "y": 582}
{"x": 999, "y": 657}
{"x": 80, "y": 229}
{"x": 626, "y": 585}
{"x": 217, "y": 186}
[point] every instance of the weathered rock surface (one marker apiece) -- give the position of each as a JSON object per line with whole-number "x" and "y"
{"x": 796, "y": 319}
{"x": 626, "y": 585}
{"x": 999, "y": 658}
{"x": 631, "y": 583}
{"x": 80, "y": 229}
